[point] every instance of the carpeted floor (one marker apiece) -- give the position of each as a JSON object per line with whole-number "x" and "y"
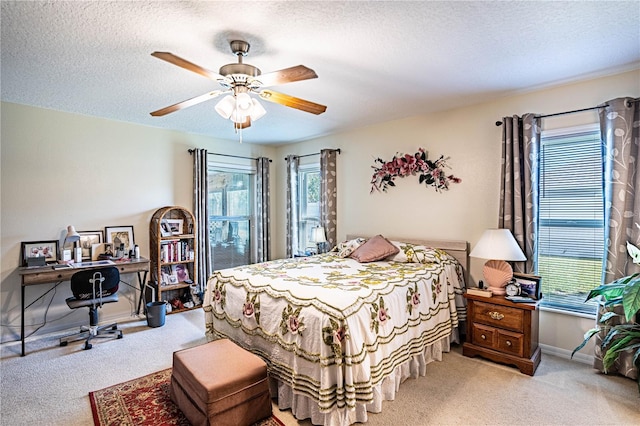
{"x": 143, "y": 401}
{"x": 50, "y": 385}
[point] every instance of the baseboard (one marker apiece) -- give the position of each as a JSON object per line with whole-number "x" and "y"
{"x": 563, "y": 353}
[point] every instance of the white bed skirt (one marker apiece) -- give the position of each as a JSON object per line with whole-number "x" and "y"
{"x": 303, "y": 407}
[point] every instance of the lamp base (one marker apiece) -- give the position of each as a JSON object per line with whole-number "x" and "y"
{"x": 497, "y": 273}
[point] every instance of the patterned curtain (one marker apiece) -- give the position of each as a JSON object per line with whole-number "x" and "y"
{"x": 263, "y": 207}
{"x": 328, "y": 195}
{"x": 201, "y": 215}
{"x": 619, "y": 129}
{"x": 621, "y": 184}
{"x": 292, "y": 204}
{"x": 519, "y": 184}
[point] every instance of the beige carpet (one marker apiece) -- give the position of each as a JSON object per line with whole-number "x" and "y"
{"x": 50, "y": 385}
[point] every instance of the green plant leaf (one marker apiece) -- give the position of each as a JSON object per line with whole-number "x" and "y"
{"x": 609, "y": 291}
{"x": 631, "y": 297}
{"x": 607, "y": 316}
{"x": 587, "y": 336}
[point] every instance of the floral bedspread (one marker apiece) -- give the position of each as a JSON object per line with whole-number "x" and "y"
{"x": 332, "y": 328}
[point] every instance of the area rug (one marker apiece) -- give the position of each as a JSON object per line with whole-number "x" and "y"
{"x": 143, "y": 401}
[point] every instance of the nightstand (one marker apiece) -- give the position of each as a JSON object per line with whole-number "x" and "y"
{"x": 502, "y": 331}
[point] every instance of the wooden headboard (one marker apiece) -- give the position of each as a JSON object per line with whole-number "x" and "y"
{"x": 456, "y": 248}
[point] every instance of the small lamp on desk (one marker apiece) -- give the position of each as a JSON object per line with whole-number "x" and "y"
{"x": 71, "y": 237}
{"x": 497, "y": 245}
{"x": 319, "y": 237}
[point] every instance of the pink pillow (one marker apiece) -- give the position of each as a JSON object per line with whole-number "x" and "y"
{"x": 376, "y": 248}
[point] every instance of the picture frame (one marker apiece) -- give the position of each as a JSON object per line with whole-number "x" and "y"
{"x": 165, "y": 228}
{"x": 118, "y": 235}
{"x": 87, "y": 240}
{"x": 530, "y": 285}
{"x": 101, "y": 248}
{"x": 181, "y": 272}
{"x": 47, "y": 249}
{"x": 175, "y": 225}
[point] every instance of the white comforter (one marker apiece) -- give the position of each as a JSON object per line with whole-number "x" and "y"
{"x": 332, "y": 329}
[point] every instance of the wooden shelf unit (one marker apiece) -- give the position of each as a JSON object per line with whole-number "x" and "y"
{"x": 170, "y": 250}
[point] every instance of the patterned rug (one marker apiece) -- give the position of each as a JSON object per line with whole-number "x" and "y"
{"x": 143, "y": 401}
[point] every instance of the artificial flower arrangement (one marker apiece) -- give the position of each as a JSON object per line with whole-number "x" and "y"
{"x": 431, "y": 173}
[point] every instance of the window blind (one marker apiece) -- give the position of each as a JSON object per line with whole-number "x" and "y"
{"x": 570, "y": 228}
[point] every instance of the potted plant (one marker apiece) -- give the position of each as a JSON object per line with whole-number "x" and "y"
{"x": 620, "y": 332}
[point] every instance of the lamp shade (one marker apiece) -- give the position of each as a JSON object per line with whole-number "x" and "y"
{"x": 318, "y": 235}
{"x": 240, "y": 107}
{"x": 498, "y": 244}
{"x": 72, "y": 235}
{"x": 226, "y": 106}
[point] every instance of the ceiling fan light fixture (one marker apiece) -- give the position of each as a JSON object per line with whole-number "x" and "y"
{"x": 243, "y": 103}
{"x": 257, "y": 111}
{"x": 226, "y": 106}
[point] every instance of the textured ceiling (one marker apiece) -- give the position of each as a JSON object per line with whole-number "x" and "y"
{"x": 376, "y": 61}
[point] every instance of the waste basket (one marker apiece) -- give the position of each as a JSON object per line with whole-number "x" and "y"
{"x": 156, "y": 313}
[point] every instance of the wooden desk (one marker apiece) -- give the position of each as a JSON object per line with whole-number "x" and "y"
{"x": 49, "y": 275}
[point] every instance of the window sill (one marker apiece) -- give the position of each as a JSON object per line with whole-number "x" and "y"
{"x": 569, "y": 313}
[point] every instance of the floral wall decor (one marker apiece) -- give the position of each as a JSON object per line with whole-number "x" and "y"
{"x": 431, "y": 173}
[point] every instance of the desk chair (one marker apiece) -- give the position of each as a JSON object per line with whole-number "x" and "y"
{"x": 92, "y": 289}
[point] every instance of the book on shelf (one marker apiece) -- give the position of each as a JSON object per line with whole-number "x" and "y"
{"x": 476, "y": 291}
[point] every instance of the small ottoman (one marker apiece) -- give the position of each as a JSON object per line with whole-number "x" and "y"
{"x": 219, "y": 383}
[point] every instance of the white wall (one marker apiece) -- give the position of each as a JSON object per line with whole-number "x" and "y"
{"x": 62, "y": 169}
{"x": 473, "y": 141}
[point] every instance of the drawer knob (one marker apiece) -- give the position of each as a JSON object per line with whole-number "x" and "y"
{"x": 508, "y": 342}
{"x": 496, "y": 315}
{"x": 483, "y": 337}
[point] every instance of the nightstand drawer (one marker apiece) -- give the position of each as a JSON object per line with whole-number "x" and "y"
{"x": 499, "y": 316}
{"x": 510, "y": 343}
{"x": 484, "y": 336}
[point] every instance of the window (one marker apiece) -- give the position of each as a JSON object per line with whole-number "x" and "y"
{"x": 571, "y": 224}
{"x": 231, "y": 198}
{"x": 309, "y": 206}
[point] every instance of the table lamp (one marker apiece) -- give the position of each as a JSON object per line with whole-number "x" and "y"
{"x": 71, "y": 237}
{"x": 318, "y": 236}
{"x": 497, "y": 245}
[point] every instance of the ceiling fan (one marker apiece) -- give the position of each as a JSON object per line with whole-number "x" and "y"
{"x": 238, "y": 81}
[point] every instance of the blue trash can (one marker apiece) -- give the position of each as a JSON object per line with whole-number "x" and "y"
{"x": 156, "y": 313}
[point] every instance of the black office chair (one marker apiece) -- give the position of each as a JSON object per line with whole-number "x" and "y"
{"x": 92, "y": 289}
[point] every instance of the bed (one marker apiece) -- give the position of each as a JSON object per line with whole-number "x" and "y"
{"x": 339, "y": 336}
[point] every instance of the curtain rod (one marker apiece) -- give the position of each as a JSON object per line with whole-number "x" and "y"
{"x": 191, "y": 151}
{"x": 315, "y": 153}
{"x": 499, "y": 123}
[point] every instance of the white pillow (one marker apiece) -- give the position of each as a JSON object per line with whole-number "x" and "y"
{"x": 412, "y": 253}
{"x": 345, "y": 248}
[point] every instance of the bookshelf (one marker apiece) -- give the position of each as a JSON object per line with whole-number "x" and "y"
{"x": 172, "y": 240}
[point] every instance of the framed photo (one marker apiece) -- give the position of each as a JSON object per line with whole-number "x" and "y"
{"x": 181, "y": 272}
{"x": 46, "y": 249}
{"x": 101, "y": 248}
{"x": 165, "y": 228}
{"x": 87, "y": 240}
{"x": 531, "y": 285}
{"x": 168, "y": 276}
{"x": 175, "y": 225}
{"x": 118, "y": 235}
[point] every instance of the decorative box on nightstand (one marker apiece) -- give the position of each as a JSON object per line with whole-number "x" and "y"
{"x": 502, "y": 331}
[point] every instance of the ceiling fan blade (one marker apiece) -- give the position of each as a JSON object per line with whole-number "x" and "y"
{"x": 286, "y": 75}
{"x": 183, "y": 63}
{"x": 292, "y": 102}
{"x": 187, "y": 103}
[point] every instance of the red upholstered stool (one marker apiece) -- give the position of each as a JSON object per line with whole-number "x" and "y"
{"x": 219, "y": 383}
